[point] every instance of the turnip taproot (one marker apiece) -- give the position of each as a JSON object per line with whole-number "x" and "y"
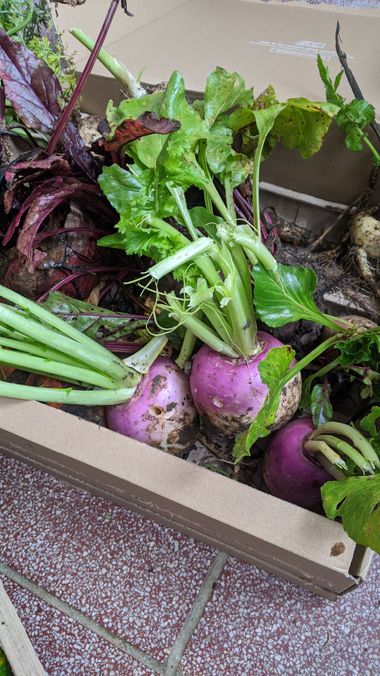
{"x": 288, "y": 472}
{"x": 161, "y": 412}
{"x": 229, "y": 393}
{"x": 299, "y": 459}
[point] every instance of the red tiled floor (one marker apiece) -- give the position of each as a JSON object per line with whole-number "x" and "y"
{"x": 128, "y": 574}
{"x": 257, "y": 624}
{"x": 65, "y": 647}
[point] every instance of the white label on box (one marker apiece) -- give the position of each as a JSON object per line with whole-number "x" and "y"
{"x": 303, "y": 48}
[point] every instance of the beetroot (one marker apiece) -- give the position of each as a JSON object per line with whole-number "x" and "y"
{"x": 288, "y": 472}
{"x": 229, "y": 393}
{"x": 161, "y": 412}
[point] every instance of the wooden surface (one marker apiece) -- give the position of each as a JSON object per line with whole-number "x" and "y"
{"x": 15, "y": 642}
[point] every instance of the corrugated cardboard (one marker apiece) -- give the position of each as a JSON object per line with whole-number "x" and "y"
{"x": 194, "y": 36}
{"x": 271, "y": 42}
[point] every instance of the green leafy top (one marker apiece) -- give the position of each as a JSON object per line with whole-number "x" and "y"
{"x": 352, "y": 118}
{"x": 201, "y": 154}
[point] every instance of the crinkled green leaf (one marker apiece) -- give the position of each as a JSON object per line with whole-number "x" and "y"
{"x": 223, "y": 91}
{"x": 219, "y": 147}
{"x": 352, "y": 119}
{"x": 133, "y": 108}
{"x": 303, "y": 124}
{"x": 273, "y": 372}
{"x": 177, "y": 162}
{"x": 357, "y": 502}
{"x": 330, "y": 86}
{"x": 321, "y": 407}
{"x": 370, "y": 424}
{"x": 240, "y": 118}
{"x": 123, "y": 186}
{"x": 285, "y": 295}
{"x": 237, "y": 168}
{"x": 148, "y": 148}
{"x": 362, "y": 348}
{"x": 134, "y": 193}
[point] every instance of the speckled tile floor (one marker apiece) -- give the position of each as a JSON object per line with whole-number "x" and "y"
{"x": 103, "y": 591}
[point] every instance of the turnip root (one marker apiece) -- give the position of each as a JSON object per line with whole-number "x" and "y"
{"x": 161, "y": 412}
{"x": 365, "y": 236}
{"x": 288, "y": 472}
{"x": 229, "y": 393}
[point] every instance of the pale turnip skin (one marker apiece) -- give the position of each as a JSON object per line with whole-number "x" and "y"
{"x": 288, "y": 473}
{"x": 161, "y": 413}
{"x": 229, "y": 393}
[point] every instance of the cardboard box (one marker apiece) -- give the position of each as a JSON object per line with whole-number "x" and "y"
{"x": 283, "y": 539}
{"x": 267, "y": 42}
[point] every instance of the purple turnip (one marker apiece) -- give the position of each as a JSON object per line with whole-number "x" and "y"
{"x": 288, "y": 472}
{"x": 300, "y": 459}
{"x": 229, "y": 393}
{"x": 147, "y": 397}
{"x": 161, "y": 412}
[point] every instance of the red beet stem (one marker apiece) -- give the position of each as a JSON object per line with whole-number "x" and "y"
{"x": 66, "y": 114}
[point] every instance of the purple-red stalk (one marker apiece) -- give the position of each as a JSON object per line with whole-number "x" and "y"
{"x": 75, "y": 275}
{"x": 66, "y": 114}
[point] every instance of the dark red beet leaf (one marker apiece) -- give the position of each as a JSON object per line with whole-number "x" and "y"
{"x": 35, "y": 92}
{"x": 130, "y": 130}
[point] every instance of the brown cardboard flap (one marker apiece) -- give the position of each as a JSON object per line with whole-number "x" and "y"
{"x": 268, "y": 43}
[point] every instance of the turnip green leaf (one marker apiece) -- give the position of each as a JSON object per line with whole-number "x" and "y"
{"x": 286, "y": 296}
{"x": 357, "y": 502}
{"x": 273, "y": 372}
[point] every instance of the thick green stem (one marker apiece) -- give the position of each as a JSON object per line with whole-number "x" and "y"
{"x": 105, "y": 363}
{"x": 182, "y": 256}
{"x": 76, "y": 374}
{"x": 117, "y": 69}
{"x": 218, "y": 321}
{"x": 361, "y": 443}
{"x": 203, "y": 262}
{"x": 142, "y": 360}
{"x": 251, "y": 244}
{"x": 256, "y": 185}
{"x": 187, "y": 348}
{"x": 239, "y": 308}
{"x": 331, "y": 461}
{"x": 346, "y": 449}
{"x": 202, "y": 159}
{"x": 180, "y": 198}
{"x": 241, "y": 263}
{"x": 67, "y": 395}
{"x": 39, "y": 312}
{"x": 200, "y": 329}
{"x": 229, "y": 192}
{"x": 217, "y": 200}
{"x": 38, "y": 350}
